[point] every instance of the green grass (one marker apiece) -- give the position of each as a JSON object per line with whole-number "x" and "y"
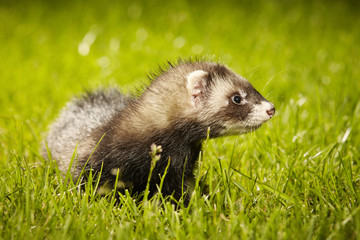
{"x": 297, "y": 177}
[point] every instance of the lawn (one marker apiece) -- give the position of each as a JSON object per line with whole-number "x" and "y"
{"x": 297, "y": 177}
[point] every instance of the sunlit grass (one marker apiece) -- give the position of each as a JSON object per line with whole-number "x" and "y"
{"x": 296, "y": 177}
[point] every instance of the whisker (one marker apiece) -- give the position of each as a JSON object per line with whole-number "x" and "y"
{"x": 270, "y": 79}
{"x": 254, "y": 69}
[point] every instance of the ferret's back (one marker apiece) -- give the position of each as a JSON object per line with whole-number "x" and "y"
{"x": 77, "y": 121}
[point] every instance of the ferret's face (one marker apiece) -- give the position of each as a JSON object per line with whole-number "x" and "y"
{"x": 241, "y": 108}
{"x": 230, "y": 101}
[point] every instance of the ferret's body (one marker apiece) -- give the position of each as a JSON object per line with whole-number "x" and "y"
{"x": 175, "y": 112}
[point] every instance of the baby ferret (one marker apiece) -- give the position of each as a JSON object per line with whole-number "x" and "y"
{"x": 113, "y": 133}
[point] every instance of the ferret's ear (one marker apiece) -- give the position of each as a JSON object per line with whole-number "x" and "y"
{"x": 196, "y": 85}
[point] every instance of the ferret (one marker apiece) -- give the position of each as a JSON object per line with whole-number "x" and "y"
{"x": 114, "y": 135}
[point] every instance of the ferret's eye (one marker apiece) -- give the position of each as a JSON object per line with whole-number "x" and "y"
{"x": 236, "y": 99}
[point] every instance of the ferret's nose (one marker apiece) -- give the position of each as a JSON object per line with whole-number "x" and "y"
{"x": 271, "y": 112}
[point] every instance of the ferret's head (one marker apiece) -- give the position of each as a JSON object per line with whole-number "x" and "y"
{"x": 220, "y": 96}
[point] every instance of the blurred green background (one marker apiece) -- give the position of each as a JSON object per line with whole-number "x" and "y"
{"x": 304, "y": 56}
{"x": 50, "y": 50}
